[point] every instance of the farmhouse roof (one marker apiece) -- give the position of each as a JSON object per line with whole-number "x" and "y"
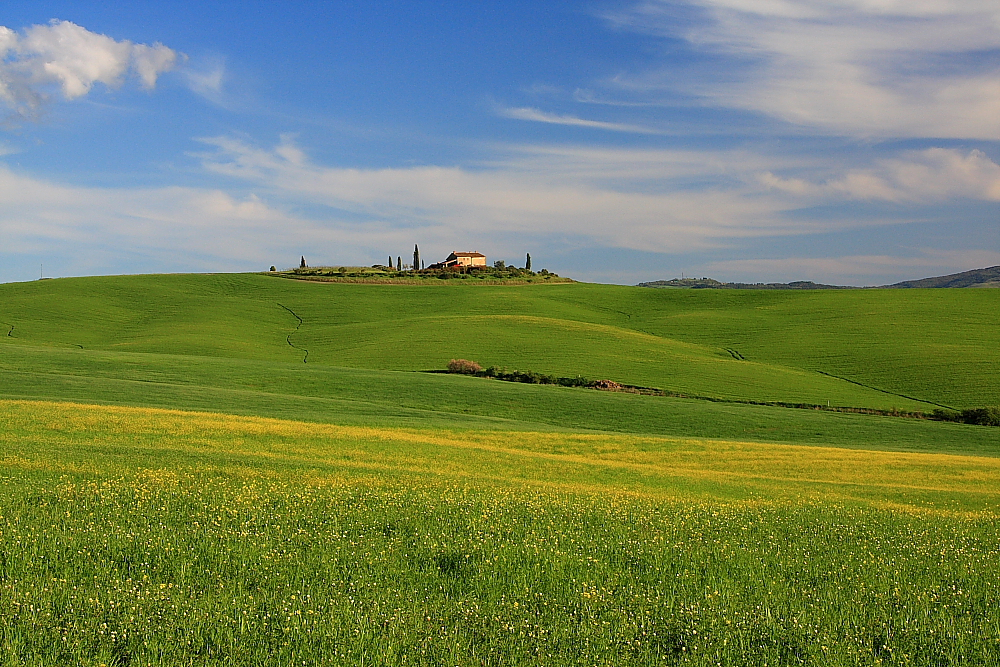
{"x": 467, "y": 254}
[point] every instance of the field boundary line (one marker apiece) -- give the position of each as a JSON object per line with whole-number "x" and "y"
{"x": 884, "y": 391}
{"x": 619, "y": 388}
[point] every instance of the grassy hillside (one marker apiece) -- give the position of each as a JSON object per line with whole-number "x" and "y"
{"x": 988, "y": 277}
{"x": 937, "y": 345}
{"x": 931, "y": 346}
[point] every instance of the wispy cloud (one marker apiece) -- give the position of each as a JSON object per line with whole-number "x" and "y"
{"x": 928, "y": 176}
{"x": 859, "y": 67}
{"x": 69, "y": 59}
{"x": 206, "y": 78}
{"x": 588, "y": 96}
{"x": 535, "y": 115}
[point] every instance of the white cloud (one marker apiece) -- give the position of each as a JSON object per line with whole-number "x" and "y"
{"x": 70, "y": 59}
{"x": 861, "y": 67}
{"x": 535, "y": 115}
{"x": 921, "y": 177}
{"x": 151, "y": 61}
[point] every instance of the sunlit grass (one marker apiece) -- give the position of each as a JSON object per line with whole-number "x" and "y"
{"x": 39, "y": 433}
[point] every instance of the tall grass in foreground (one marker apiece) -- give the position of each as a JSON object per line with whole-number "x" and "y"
{"x": 170, "y": 568}
{"x": 153, "y": 537}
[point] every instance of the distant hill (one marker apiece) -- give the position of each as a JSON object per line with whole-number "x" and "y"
{"x": 989, "y": 277}
{"x": 709, "y": 283}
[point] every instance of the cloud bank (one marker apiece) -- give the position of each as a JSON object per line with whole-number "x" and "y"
{"x": 663, "y": 200}
{"x": 65, "y": 58}
{"x": 666, "y": 202}
{"x": 636, "y": 199}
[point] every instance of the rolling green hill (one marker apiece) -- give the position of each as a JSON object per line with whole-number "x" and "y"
{"x": 874, "y": 348}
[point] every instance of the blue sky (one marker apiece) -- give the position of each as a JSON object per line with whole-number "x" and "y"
{"x": 843, "y": 141}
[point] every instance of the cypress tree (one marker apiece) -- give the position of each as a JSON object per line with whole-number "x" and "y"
{"x": 527, "y": 262}
{"x": 416, "y": 257}
{"x": 389, "y": 265}
{"x": 302, "y": 264}
{"x": 399, "y": 263}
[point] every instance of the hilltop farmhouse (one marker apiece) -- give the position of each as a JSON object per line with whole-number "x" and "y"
{"x": 461, "y": 259}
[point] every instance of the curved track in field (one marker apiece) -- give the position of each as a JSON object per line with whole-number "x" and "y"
{"x": 288, "y": 338}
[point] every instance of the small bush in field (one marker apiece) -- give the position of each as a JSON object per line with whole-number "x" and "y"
{"x": 464, "y": 366}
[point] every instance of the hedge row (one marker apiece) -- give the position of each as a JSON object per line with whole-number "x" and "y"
{"x": 989, "y": 416}
{"x": 466, "y": 367}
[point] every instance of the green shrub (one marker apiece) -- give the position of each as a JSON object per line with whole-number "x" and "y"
{"x": 946, "y": 415}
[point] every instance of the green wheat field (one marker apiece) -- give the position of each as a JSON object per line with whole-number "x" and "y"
{"x": 249, "y": 470}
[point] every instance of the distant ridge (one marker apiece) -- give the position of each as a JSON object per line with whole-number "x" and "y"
{"x": 709, "y": 283}
{"x": 989, "y": 277}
